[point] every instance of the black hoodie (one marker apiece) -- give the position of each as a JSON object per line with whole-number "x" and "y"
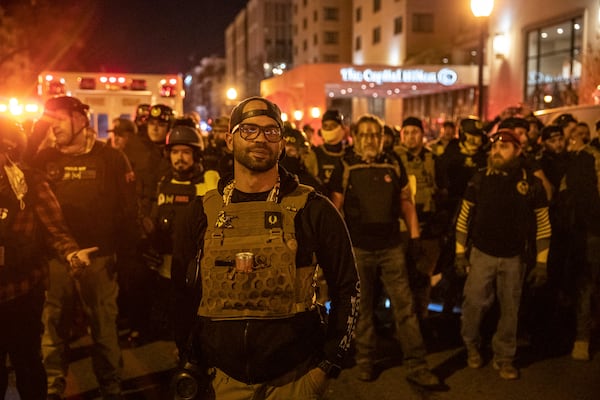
{"x": 257, "y": 351}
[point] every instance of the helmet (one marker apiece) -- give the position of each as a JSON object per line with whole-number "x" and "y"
{"x": 295, "y": 138}
{"x": 142, "y": 112}
{"x": 161, "y": 113}
{"x": 183, "y": 134}
{"x": 68, "y": 103}
{"x": 12, "y": 138}
{"x": 185, "y": 121}
{"x": 472, "y": 126}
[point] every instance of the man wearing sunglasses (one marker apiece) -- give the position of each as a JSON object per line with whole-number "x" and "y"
{"x": 499, "y": 206}
{"x": 260, "y": 334}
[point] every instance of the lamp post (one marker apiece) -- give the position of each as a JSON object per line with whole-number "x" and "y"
{"x": 481, "y": 9}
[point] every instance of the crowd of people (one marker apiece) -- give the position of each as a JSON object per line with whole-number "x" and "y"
{"x": 263, "y": 250}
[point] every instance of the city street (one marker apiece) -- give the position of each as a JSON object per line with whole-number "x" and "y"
{"x": 148, "y": 368}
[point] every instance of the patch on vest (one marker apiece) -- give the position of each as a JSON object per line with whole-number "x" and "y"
{"x": 223, "y": 220}
{"x": 273, "y": 219}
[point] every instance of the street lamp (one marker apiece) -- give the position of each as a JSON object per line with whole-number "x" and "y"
{"x": 481, "y": 9}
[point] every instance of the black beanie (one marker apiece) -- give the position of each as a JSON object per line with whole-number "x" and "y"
{"x": 412, "y": 121}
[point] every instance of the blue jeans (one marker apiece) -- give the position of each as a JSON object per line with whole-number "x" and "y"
{"x": 387, "y": 266}
{"x": 492, "y": 277}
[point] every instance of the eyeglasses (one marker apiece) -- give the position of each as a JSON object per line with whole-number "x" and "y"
{"x": 250, "y": 132}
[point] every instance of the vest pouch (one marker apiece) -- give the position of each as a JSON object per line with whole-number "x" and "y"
{"x": 275, "y": 287}
{"x": 267, "y": 291}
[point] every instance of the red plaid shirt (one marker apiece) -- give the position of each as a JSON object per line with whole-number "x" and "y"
{"x": 41, "y": 210}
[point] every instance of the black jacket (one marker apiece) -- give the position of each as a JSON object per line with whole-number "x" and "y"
{"x": 256, "y": 351}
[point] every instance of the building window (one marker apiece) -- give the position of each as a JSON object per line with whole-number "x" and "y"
{"x": 358, "y": 14}
{"x": 304, "y": 23}
{"x": 304, "y": 45}
{"x": 331, "y": 58}
{"x": 331, "y": 14}
{"x": 397, "y": 25}
{"x": 304, "y": 3}
{"x": 553, "y": 68}
{"x": 422, "y": 23}
{"x": 358, "y": 43}
{"x": 315, "y": 39}
{"x": 376, "y": 5}
{"x": 331, "y": 37}
{"x": 377, "y": 35}
{"x": 315, "y": 16}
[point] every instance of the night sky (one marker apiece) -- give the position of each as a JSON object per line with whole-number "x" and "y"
{"x": 151, "y": 36}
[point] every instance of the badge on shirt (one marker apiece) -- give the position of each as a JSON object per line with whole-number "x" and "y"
{"x": 273, "y": 220}
{"x": 523, "y": 187}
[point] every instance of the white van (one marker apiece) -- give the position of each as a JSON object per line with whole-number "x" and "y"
{"x": 589, "y": 114}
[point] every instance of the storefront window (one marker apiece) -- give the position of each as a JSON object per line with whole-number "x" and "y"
{"x": 554, "y": 64}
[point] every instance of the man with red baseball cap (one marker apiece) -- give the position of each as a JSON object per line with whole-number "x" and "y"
{"x": 497, "y": 206}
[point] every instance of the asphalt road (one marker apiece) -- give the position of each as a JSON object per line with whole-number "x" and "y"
{"x": 550, "y": 375}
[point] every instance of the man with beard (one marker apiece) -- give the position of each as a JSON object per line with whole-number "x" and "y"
{"x": 499, "y": 204}
{"x": 371, "y": 190}
{"x": 177, "y": 189}
{"x": 30, "y": 213}
{"x": 259, "y": 331}
{"x": 90, "y": 180}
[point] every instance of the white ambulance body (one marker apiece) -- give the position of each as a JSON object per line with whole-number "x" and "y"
{"x": 112, "y": 95}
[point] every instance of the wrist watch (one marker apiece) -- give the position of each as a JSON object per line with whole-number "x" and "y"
{"x": 331, "y": 370}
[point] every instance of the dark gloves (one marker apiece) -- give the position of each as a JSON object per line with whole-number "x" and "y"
{"x": 461, "y": 265}
{"x": 538, "y": 275}
{"x": 415, "y": 253}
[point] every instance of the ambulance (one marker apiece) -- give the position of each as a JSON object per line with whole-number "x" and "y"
{"x": 112, "y": 96}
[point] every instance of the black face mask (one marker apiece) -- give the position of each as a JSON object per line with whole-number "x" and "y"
{"x": 291, "y": 164}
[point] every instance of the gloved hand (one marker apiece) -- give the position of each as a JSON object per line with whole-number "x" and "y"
{"x": 538, "y": 275}
{"x": 79, "y": 260}
{"x": 461, "y": 265}
{"x": 415, "y": 252}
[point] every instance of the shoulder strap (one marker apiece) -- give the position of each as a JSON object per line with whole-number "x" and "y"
{"x": 296, "y": 200}
{"x": 212, "y": 202}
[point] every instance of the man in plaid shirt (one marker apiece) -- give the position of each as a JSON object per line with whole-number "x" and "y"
{"x": 29, "y": 213}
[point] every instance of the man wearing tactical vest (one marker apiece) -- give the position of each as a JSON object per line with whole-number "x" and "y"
{"x": 455, "y": 167}
{"x": 27, "y": 207}
{"x": 420, "y": 167}
{"x": 321, "y": 160}
{"x": 176, "y": 190}
{"x": 90, "y": 180}
{"x": 145, "y": 151}
{"x": 371, "y": 189}
{"x": 257, "y": 240}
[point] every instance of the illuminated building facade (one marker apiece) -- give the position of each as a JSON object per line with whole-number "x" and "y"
{"x": 395, "y": 58}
